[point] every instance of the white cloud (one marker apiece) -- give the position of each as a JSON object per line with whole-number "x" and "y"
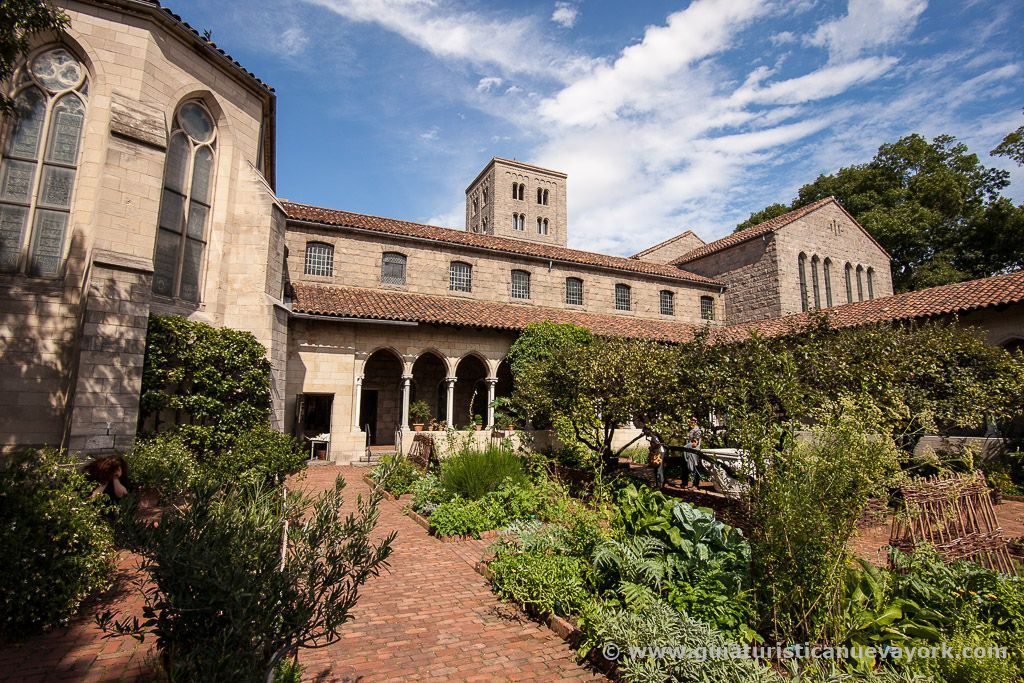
{"x": 825, "y": 82}
{"x": 565, "y": 14}
{"x": 867, "y": 24}
{"x": 430, "y": 135}
{"x": 783, "y": 38}
{"x": 488, "y": 83}
{"x": 453, "y": 33}
{"x": 292, "y": 42}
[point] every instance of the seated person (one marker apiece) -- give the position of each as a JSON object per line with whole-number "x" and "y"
{"x": 109, "y": 473}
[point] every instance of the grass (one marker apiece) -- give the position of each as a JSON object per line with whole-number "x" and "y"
{"x": 472, "y": 474}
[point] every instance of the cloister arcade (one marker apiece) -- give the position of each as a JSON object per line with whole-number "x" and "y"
{"x": 456, "y": 389}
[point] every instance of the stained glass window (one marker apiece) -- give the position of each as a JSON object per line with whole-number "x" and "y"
{"x": 37, "y": 186}
{"x": 186, "y": 204}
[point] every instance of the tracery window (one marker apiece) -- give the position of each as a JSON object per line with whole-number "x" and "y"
{"x": 40, "y": 162}
{"x": 186, "y": 203}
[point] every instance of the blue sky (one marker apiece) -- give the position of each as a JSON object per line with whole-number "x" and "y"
{"x": 667, "y": 116}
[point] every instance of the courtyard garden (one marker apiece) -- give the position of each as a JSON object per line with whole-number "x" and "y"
{"x": 243, "y": 576}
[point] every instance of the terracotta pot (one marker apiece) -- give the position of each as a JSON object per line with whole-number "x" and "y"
{"x": 478, "y": 427}
{"x": 417, "y": 428}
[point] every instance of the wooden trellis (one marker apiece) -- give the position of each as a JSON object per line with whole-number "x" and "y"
{"x": 955, "y": 515}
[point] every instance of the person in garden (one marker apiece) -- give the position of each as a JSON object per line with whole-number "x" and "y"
{"x": 692, "y": 454}
{"x": 656, "y": 458}
{"x": 110, "y": 474}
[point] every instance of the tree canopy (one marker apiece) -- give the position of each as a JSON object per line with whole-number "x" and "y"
{"x": 19, "y": 21}
{"x": 934, "y": 207}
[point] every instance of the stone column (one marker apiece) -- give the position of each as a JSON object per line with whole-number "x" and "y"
{"x": 406, "y": 391}
{"x": 450, "y": 401}
{"x": 491, "y": 384}
{"x": 358, "y": 403}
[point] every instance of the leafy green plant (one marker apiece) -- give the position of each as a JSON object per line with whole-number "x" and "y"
{"x": 208, "y": 383}
{"x": 419, "y": 412}
{"x": 163, "y": 464}
{"x": 460, "y": 517}
{"x": 471, "y": 473}
{"x": 255, "y": 456}
{"x": 541, "y": 582}
{"x": 242, "y": 576}
{"x": 396, "y": 473}
{"x": 57, "y": 546}
{"x": 427, "y": 494}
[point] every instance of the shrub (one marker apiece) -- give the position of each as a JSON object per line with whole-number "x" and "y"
{"x": 541, "y": 582}
{"x": 396, "y": 474}
{"x": 256, "y": 456}
{"x": 164, "y": 464}
{"x": 512, "y": 501}
{"x": 209, "y": 383}
{"x": 427, "y": 494}
{"x": 226, "y": 603}
{"x": 460, "y": 517}
{"x": 57, "y": 546}
{"x": 471, "y": 474}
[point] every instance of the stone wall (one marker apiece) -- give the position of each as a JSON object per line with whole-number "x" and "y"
{"x": 671, "y": 249}
{"x": 828, "y": 233}
{"x": 357, "y": 261}
{"x": 751, "y": 274}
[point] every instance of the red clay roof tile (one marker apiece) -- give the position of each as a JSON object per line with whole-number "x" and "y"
{"x": 333, "y": 217}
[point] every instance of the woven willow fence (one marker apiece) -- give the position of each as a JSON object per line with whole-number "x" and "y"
{"x": 956, "y": 516}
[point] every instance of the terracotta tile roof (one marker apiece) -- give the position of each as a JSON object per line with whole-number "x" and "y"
{"x": 196, "y": 34}
{"x": 392, "y": 226}
{"x": 665, "y": 243}
{"x": 760, "y": 229}
{"x": 957, "y": 298}
{"x": 374, "y": 304}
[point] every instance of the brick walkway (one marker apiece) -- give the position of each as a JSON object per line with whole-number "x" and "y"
{"x": 432, "y": 617}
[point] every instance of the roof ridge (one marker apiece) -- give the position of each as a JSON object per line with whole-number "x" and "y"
{"x": 668, "y": 241}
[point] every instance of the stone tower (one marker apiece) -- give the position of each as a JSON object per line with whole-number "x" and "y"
{"x": 512, "y": 199}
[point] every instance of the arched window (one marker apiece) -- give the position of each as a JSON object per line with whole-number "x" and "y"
{"x": 484, "y": 194}
{"x": 522, "y": 191}
{"x": 40, "y": 161}
{"x": 871, "y": 283}
{"x": 849, "y": 283}
{"x": 623, "y": 298}
{"x": 515, "y": 190}
{"x": 319, "y": 259}
{"x": 668, "y": 302}
{"x": 476, "y": 206}
{"x": 707, "y": 308}
{"x": 828, "y": 282}
{"x": 518, "y": 221}
{"x": 802, "y": 265}
{"x": 483, "y": 226}
{"x": 185, "y": 205}
{"x": 545, "y": 197}
{"x": 815, "y": 282}
{"x": 392, "y": 268}
{"x": 540, "y": 196}
{"x": 574, "y": 291}
{"x": 520, "y": 284}
{"x": 860, "y": 283}
{"x": 542, "y": 226}
{"x": 460, "y": 277}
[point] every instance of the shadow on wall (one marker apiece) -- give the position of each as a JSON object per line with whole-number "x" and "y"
{"x": 39, "y": 325}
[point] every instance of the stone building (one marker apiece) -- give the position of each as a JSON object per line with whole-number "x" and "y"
{"x": 138, "y": 178}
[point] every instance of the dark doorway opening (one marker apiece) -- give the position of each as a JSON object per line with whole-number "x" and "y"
{"x": 368, "y": 413}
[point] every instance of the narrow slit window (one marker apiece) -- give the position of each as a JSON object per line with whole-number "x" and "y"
{"x": 815, "y": 283}
{"x": 802, "y": 265}
{"x": 828, "y": 282}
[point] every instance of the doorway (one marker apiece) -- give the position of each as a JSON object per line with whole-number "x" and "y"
{"x": 368, "y": 413}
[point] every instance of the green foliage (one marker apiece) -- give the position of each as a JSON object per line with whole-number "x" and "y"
{"x": 471, "y": 474}
{"x": 164, "y": 464}
{"x": 427, "y": 494}
{"x": 1012, "y": 146}
{"x": 541, "y": 582}
{"x": 258, "y": 455}
{"x": 208, "y": 383}
{"x": 658, "y": 624}
{"x": 933, "y": 206}
{"x": 224, "y": 604}
{"x": 803, "y": 508}
{"x": 419, "y": 412}
{"x": 539, "y": 342}
{"x": 20, "y": 20}
{"x": 396, "y": 473}
{"x": 766, "y": 214}
{"x": 57, "y": 546}
{"x": 460, "y": 517}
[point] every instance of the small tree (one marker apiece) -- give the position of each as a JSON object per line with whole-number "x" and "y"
{"x": 242, "y": 577}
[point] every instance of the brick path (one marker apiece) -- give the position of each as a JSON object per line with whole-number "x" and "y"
{"x": 432, "y": 617}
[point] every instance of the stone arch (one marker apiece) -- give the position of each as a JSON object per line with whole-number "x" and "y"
{"x": 428, "y": 372}
{"x": 380, "y": 407}
{"x": 194, "y": 91}
{"x": 470, "y": 397}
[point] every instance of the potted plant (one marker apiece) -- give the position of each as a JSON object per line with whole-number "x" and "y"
{"x": 504, "y": 414}
{"x": 419, "y": 414}
{"x": 478, "y": 422}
